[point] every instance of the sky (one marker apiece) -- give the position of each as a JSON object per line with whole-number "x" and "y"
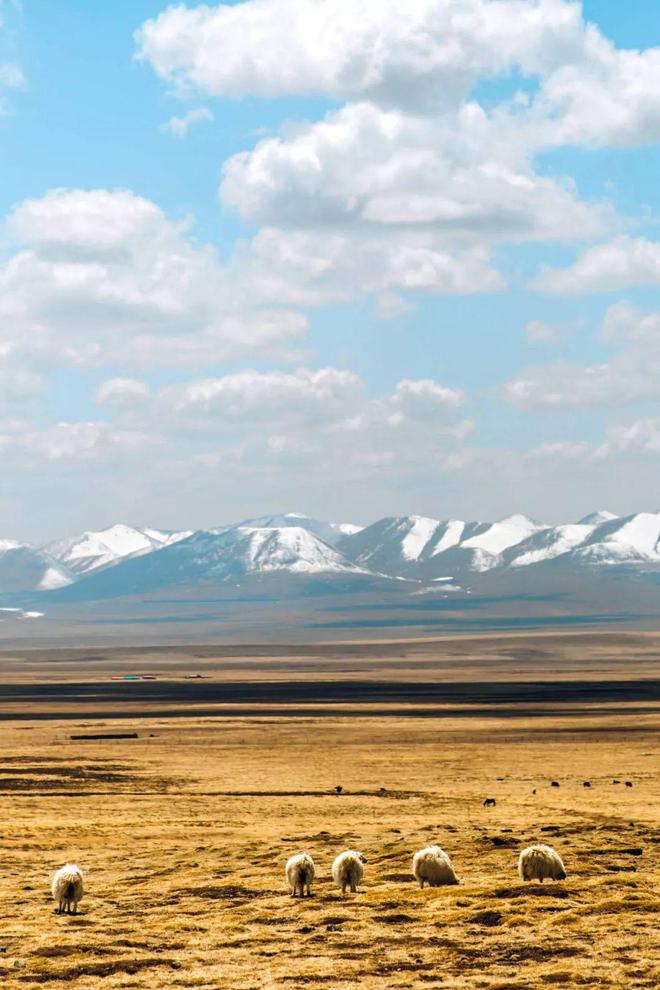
{"x": 350, "y": 258}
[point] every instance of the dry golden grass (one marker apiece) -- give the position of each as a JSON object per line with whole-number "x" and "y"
{"x": 184, "y": 832}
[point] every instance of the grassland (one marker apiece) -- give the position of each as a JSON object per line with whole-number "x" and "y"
{"x": 183, "y": 832}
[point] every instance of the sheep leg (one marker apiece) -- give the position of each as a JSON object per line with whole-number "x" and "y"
{"x": 309, "y": 892}
{"x": 353, "y": 887}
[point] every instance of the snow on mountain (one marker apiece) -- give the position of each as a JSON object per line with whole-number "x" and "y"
{"x": 499, "y": 536}
{"x": 626, "y": 540}
{"x": 393, "y": 543}
{"x": 234, "y": 554}
{"x": 549, "y": 544}
{"x": 596, "y": 518}
{"x": 23, "y": 568}
{"x": 328, "y": 532}
{"x": 291, "y": 548}
{"x": 609, "y": 541}
{"x": 95, "y": 550}
{"x": 397, "y": 543}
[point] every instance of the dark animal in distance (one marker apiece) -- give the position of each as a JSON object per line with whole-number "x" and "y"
{"x": 629, "y": 783}
{"x": 586, "y": 783}
{"x": 554, "y": 784}
{"x": 490, "y": 803}
{"x": 338, "y": 789}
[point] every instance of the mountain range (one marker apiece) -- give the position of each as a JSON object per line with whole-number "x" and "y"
{"x": 417, "y": 549}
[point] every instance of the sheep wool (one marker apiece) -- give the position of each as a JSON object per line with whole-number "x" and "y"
{"x": 67, "y": 888}
{"x": 300, "y": 873}
{"x": 432, "y": 865}
{"x": 348, "y": 870}
{"x": 540, "y": 863}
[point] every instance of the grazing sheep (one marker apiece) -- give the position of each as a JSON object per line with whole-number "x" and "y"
{"x": 338, "y": 789}
{"x": 586, "y": 783}
{"x": 540, "y": 862}
{"x": 555, "y": 783}
{"x": 490, "y": 803}
{"x": 615, "y": 781}
{"x": 433, "y": 866}
{"x": 300, "y": 873}
{"x": 348, "y": 870}
{"x": 629, "y": 783}
{"x": 67, "y": 888}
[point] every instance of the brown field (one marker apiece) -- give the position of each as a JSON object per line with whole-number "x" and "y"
{"x": 183, "y": 832}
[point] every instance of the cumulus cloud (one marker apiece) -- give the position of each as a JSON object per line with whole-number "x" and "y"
{"x": 310, "y": 268}
{"x": 322, "y": 414}
{"x": 105, "y": 276}
{"x": 392, "y": 52}
{"x": 619, "y": 264}
{"x": 179, "y": 126}
{"x": 631, "y": 374}
{"x": 421, "y": 57}
{"x": 411, "y": 178}
{"x": 462, "y": 174}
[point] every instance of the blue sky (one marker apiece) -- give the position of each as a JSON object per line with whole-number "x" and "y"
{"x": 386, "y": 308}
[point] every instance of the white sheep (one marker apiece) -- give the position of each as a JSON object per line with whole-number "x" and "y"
{"x": 67, "y": 888}
{"x": 300, "y": 873}
{"x": 432, "y": 865}
{"x": 348, "y": 870}
{"x": 541, "y": 862}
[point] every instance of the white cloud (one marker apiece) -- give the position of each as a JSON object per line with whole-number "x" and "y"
{"x": 261, "y": 433}
{"x": 392, "y": 52}
{"x": 106, "y": 277}
{"x": 631, "y": 374}
{"x": 390, "y": 305}
{"x": 422, "y": 57}
{"x": 78, "y": 445}
{"x": 463, "y": 174}
{"x": 619, "y": 264}
{"x": 312, "y": 268}
{"x": 122, "y": 392}
{"x": 641, "y": 437}
{"x": 11, "y": 75}
{"x": 179, "y": 126}
{"x": 249, "y": 395}
{"x": 540, "y": 332}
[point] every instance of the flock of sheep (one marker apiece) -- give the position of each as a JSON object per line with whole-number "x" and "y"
{"x": 431, "y": 865}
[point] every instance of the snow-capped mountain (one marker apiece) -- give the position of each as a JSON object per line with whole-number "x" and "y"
{"x": 95, "y": 550}
{"x": 23, "y": 568}
{"x": 328, "y": 532}
{"x": 595, "y": 518}
{"x": 427, "y": 552}
{"x": 599, "y": 539}
{"x": 409, "y": 545}
{"x": 231, "y": 555}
